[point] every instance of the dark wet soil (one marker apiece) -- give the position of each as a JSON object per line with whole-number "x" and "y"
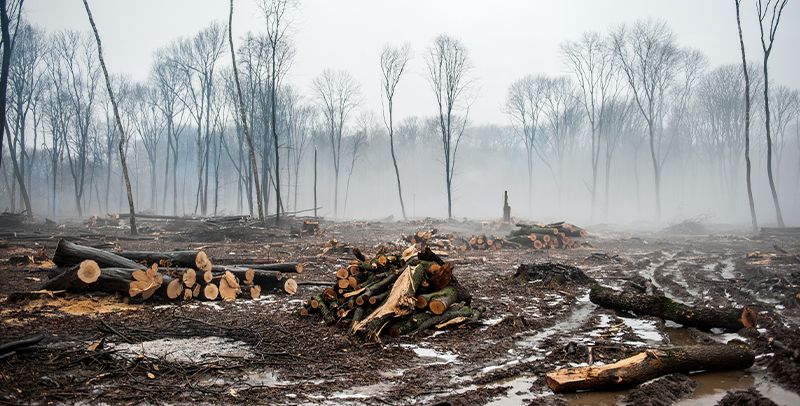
{"x": 529, "y": 328}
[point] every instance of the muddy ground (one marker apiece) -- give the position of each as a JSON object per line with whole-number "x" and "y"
{"x": 103, "y": 349}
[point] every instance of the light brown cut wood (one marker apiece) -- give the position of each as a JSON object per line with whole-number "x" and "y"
{"x": 203, "y": 262}
{"x": 342, "y": 273}
{"x": 89, "y": 271}
{"x": 189, "y": 278}
{"x": 343, "y": 283}
{"x": 227, "y": 292}
{"x": 255, "y": 292}
{"x": 174, "y": 289}
{"x": 196, "y": 291}
{"x": 211, "y": 291}
{"x": 249, "y": 274}
{"x": 290, "y": 286}
{"x": 187, "y": 294}
{"x": 208, "y": 276}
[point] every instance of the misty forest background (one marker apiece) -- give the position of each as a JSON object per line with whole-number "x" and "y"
{"x": 640, "y": 128}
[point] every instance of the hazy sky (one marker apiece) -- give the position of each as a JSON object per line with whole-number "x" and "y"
{"x": 506, "y": 39}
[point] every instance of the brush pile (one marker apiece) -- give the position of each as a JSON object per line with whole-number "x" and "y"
{"x": 394, "y": 294}
{"x": 544, "y": 236}
{"x": 172, "y": 275}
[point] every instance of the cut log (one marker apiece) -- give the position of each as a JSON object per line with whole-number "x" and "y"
{"x": 189, "y": 277}
{"x": 457, "y": 313}
{"x": 174, "y": 289}
{"x": 653, "y": 363}
{"x": 88, "y": 271}
{"x": 182, "y": 259}
{"x": 285, "y": 267}
{"x": 211, "y": 291}
{"x": 400, "y": 301}
{"x": 729, "y": 318}
{"x": 290, "y": 286}
{"x": 442, "y": 300}
{"x": 226, "y": 291}
{"x": 208, "y": 276}
{"x": 110, "y": 280}
{"x": 202, "y": 262}
{"x": 255, "y": 292}
{"x": 69, "y": 254}
{"x": 249, "y": 274}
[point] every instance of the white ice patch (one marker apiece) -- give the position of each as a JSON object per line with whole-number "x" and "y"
{"x": 445, "y": 357}
{"x": 645, "y": 329}
{"x": 186, "y": 350}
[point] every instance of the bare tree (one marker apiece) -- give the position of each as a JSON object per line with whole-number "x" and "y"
{"x": 393, "y": 65}
{"x": 562, "y": 123}
{"x": 243, "y": 117}
{"x": 24, "y": 89}
{"x": 300, "y": 121}
{"x": 281, "y": 53}
{"x": 8, "y": 10}
{"x": 525, "y": 105}
{"x": 784, "y": 105}
{"x": 649, "y": 59}
{"x": 168, "y": 83}
{"x": 119, "y": 121}
{"x": 339, "y": 94}
{"x": 150, "y": 124}
{"x": 197, "y": 58}
{"x": 774, "y": 14}
{"x": 364, "y": 128}
{"x": 746, "y": 119}
{"x": 592, "y": 62}
{"x": 449, "y": 68}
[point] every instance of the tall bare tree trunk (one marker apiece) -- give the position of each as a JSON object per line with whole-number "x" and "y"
{"x": 248, "y": 136}
{"x": 753, "y": 218}
{"x": 6, "y": 35}
{"x": 118, "y": 119}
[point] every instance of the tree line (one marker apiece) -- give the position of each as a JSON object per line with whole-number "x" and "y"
{"x": 213, "y": 131}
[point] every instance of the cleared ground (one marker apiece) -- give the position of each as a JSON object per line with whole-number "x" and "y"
{"x": 101, "y": 349}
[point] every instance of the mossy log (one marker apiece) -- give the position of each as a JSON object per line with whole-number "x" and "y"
{"x": 706, "y": 318}
{"x": 651, "y": 364}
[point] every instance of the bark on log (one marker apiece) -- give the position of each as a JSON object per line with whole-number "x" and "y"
{"x": 651, "y": 364}
{"x": 68, "y": 254}
{"x": 706, "y": 318}
{"x": 111, "y": 280}
{"x": 183, "y": 259}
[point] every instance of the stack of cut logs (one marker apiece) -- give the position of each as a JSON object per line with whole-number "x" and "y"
{"x": 543, "y": 236}
{"x": 171, "y": 275}
{"x": 452, "y": 242}
{"x": 395, "y": 294}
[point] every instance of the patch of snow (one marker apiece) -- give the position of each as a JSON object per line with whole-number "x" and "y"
{"x": 185, "y": 350}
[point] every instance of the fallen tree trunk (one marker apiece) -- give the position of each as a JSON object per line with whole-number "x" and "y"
{"x": 184, "y": 259}
{"x": 69, "y": 254}
{"x": 285, "y": 267}
{"x": 706, "y": 318}
{"x": 110, "y": 280}
{"x": 651, "y": 364}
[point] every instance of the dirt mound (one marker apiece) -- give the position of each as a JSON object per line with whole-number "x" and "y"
{"x": 750, "y": 397}
{"x": 662, "y": 391}
{"x": 552, "y": 274}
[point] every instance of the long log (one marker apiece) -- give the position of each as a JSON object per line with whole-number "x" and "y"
{"x": 651, "y": 364}
{"x": 706, "y": 318}
{"x": 69, "y": 254}
{"x": 111, "y": 280}
{"x": 185, "y": 259}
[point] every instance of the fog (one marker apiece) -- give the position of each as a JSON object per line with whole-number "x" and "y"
{"x": 521, "y": 101}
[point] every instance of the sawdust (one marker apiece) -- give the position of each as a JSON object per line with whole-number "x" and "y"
{"x": 81, "y": 306}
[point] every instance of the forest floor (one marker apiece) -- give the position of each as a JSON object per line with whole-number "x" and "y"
{"x": 101, "y": 349}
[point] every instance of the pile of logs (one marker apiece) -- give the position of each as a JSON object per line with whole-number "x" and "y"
{"x": 544, "y": 236}
{"x": 171, "y": 275}
{"x": 394, "y": 294}
{"x": 430, "y": 238}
